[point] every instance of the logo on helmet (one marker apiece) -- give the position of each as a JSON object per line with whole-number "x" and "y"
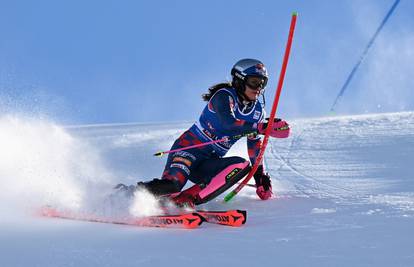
{"x": 259, "y": 66}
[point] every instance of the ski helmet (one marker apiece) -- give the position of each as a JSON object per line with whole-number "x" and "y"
{"x": 247, "y": 68}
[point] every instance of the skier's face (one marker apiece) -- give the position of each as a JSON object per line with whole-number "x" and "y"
{"x": 252, "y": 94}
{"x": 255, "y": 82}
{"x": 254, "y": 86}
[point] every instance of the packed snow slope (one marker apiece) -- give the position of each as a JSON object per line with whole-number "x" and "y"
{"x": 344, "y": 196}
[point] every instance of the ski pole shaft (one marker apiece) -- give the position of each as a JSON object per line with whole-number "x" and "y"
{"x": 160, "y": 154}
{"x": 259, "y": 158}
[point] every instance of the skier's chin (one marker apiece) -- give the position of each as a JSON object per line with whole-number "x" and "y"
{"x": 252, "y": 98}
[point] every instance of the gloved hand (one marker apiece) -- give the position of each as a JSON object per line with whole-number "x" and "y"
{"x": 263, "y": 184}
{"x": 280, "y": 128}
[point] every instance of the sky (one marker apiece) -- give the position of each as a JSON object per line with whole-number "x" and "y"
{"x": 88, "y": 62}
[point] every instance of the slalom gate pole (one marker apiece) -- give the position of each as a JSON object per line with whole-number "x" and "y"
{"x": 229, "y": 196}
{"x": 162, "y": 153}
{"x": 362, "y": 57}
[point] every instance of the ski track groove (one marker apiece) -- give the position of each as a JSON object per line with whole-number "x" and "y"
{"x": 317, "y": 186}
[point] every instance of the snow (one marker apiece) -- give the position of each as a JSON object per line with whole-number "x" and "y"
{"x": 344, "y": 196}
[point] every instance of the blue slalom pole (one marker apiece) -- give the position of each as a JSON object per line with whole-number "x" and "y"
{"x": 348, "y": 80}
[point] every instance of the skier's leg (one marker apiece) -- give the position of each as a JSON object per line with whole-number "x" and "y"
{"x": 178, "y": 167}
{"x": 181, "y": 164}
{"x": 236, "y": 168}
{"x": 209, "y": 168}
{"x": 213, "y": 177}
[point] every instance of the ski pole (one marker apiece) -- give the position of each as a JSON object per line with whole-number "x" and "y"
{"x": 162, "y": 153}
{"x": 229, "y": 196}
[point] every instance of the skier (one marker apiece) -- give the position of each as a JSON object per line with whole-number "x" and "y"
{"x": 233, "y": 110}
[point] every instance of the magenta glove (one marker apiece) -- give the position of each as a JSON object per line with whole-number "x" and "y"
{"x": 264, "y": 194}
{"x": 263, "y": 184}
{"x": 280, "y": 128}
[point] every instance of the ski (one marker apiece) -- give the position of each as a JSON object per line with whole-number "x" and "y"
{"x": 235, "y": 218}
{"x": 185, "y": 220}
{"x": 190, "y": 220}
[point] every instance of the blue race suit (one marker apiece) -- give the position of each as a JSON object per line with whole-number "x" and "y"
{"x": 225, "y": 115}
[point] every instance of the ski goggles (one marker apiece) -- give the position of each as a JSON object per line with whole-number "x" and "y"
{"x": 256, "y": 83}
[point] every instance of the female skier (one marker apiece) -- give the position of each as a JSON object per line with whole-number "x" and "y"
{"x": 233, "y": 111}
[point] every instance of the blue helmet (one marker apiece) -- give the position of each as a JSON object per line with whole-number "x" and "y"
{"x": 249, "y": 67}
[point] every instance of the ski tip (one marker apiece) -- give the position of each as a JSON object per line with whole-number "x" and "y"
{"x": 47, "y": 211}
{"x": 202, "y": 219}
{"x": 159, "y": 154}
{"x": 294, "y": 13}
{"x": 244, "y": 213}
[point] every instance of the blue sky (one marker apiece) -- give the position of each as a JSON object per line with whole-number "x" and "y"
{"x": 81, "y": 62}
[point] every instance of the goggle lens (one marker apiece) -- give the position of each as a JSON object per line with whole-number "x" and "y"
{"x": 255, "y": 82}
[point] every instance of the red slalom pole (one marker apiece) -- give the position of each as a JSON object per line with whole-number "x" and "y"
{"x": 229, "y": 196}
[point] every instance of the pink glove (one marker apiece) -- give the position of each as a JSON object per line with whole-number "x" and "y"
{"x": 264, "y": 194}
{"x": 280, "y": 128}
{"x": 263, "y": 184}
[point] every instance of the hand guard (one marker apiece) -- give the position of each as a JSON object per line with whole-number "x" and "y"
{"x": 263, "y": 184}
{"x": 280, "y": 129}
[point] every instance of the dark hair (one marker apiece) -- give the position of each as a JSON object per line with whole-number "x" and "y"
{"x": 236, "y": 84}
{"x": 213, "y": 89}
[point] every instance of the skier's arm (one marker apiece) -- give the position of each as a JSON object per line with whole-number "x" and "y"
{"x": 262, "y": 179}
{"x": 253, "y": 148}
{"x": 221, "y": 103}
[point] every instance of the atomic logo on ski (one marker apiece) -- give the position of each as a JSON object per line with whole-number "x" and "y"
{"x": 190, "y": 221}
{"x": 230, "y": 218}
{"x": 235, "y": 218}
{"x": 165, "y": 221}
{"x": 187, "y": 220}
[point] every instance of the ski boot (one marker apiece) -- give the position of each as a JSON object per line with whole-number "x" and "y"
{"x": 156, "y": 187}
{"x": 188, "y": 198}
